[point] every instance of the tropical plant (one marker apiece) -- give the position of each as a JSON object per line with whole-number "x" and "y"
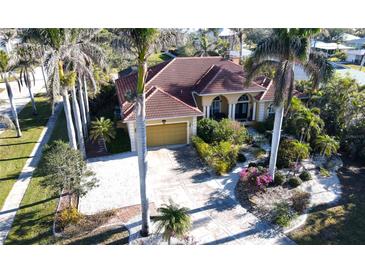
{"x": 65, "y": 169}
{"x": 6, "y": 70}
{"x": 7, "y": 35}
{"x": 141, "y": 43}
{"x": 74, "y": 50}
{"x": 240, "y": 33}
{"x": 102, "y": 128}
{"x": 256, "y": 178}
{"x": 283, "y": 50}
{"x": 327, "y": 145}
{"x": 26, "y": 61}
{"x": 205, "y": 46}
{"x": 290, "y": 152}
{"x": 172, "y": 221}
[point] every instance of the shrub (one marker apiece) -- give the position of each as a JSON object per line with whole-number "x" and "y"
{"x": 252, "y": 164}
{"x": 300, "y": 201}
{"x": 256, "y": 178}
{"x": 226, "y": 130}
{"x": 68, "y": 216}
{"x": 294, "y": 181}
{"x": 259, "y": 152}
{"x": 305, "y": 176}
{"x": 221, "y": 157}
{"x": 202, "y": 147}
{"x": 241, "y": 157}
{"x": 224, "y": 157}
{"x": 283, "y": 214}
{"x": 206, "y": 128}
{"x": 324, "y": 172}
{"x": 279, "y": 178}
{"x": 290, "y": 151}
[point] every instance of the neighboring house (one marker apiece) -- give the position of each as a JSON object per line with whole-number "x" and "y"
{"x": 184, "y": 89}
{"x": 355, "y": 55}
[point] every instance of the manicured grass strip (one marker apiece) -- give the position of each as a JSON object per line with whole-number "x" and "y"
{"x": 33, "y": 222}
{"x": 14, "y": 152}
{"x": 342, "y": 223}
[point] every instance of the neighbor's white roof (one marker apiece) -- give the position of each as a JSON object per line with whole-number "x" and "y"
{"x": 236, "y": 53}
{"x": 226, "y": 32}
{"x": 328, "y": 46}
{"x": 348, "y": 37}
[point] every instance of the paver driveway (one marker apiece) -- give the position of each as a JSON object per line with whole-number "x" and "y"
{"x": 177, "y": 174}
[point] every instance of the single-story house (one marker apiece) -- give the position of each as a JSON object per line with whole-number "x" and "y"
{"x": 182, "y": 90}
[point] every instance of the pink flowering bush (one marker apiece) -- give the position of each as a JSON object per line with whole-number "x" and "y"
{"x": 256, "y": 178}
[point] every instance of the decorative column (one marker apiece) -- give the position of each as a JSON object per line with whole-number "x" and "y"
{"x": 254, "y": 111}
{"x": 208, "y": 111}
{"x": 132, "y": 135}
{"x": 193, "y": 126}
{"x": 261, "y": 116}
{"x": 234, "y": 112}
{"x": 230, "y": 106}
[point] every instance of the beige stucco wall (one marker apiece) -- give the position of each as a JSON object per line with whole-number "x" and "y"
{"x": 231, "y": 98}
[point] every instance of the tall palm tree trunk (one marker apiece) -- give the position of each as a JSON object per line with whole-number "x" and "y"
{"x": 241, "y": 44}
{"x": 278, "y": 121}
{"x": 44, "y": 77}
{"x": 70, "y": 124}
{"x": 13, "y": 108}
{"x": 77, "y": 118}
{"x": 142, "y": 147}
{"x": 82, "y": 108}
{"x": 86, "y": 101}
{"x": 31, "y": 95}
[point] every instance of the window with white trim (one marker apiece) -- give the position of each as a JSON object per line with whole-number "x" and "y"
{"x": 270, "y": 110}
{"x": 216, "y": 105}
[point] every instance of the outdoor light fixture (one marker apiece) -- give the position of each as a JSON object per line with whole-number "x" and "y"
{"x": 164, "y": 121}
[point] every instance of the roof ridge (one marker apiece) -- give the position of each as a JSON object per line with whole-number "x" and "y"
{"x": 134, "y": 103}
{"x": 213, "y": 78}
{"x": 205, "y": 74}
{"x": 175, "y": 98}
{"x": 158, "y": 73}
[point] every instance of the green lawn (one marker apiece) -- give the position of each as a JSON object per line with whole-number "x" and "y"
{"x": 157, "y": 58}
{"x": 342, "y": 223}
{"x": 14, "y": 152}
{"x": 33, "y": 222}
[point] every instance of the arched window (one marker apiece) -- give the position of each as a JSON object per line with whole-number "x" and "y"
{"x": 243, "y": 99}
{"x": 216, "y": 105}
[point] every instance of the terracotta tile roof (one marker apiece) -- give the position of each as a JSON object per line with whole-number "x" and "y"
{"x": 160, "y": 104}
{"x": 179, "y": 77}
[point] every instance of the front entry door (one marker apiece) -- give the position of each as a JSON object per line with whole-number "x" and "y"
{"x": 242, "y": 111}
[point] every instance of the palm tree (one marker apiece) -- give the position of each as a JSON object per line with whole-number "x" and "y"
{"x": 240, "y": 33}
{"x": 284, "y": 49}
{"x": 102, "y": 128}
{"x": 327, "y": 145}
{"x": 141, "y": 42}
{"x": 173, "y": 221}
{"x": 6, "y": 69}
{"x": 72, "y": 49}
{"x": 205, "y": 47}
{"x": 7, "y": 35}
{"x": 67, "y": 81}
{"x": 25, "y": 62}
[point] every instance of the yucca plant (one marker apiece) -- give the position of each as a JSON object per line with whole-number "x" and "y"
{"x": 173, "y": 221}
{"x": 102, "y": 128}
